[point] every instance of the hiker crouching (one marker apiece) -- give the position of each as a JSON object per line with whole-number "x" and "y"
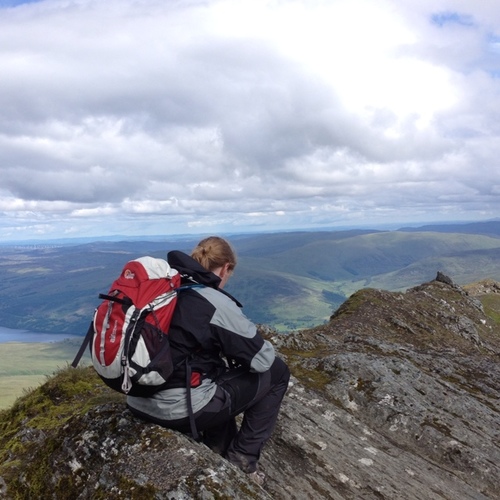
{"x": 205, "y": 393}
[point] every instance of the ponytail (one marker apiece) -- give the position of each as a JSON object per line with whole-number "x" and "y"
{"x": 214, "y": 252}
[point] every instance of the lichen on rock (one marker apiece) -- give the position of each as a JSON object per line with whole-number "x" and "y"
{"x": 396, "y": 397}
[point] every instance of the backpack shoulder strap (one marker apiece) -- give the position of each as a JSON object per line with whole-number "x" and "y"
{"x": 85, "y": 343}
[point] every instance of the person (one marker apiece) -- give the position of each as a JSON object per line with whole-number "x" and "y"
{"x": 207, "y": 325}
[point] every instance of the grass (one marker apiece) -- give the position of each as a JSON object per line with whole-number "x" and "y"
{"x": 25, "y": 366}
{"x": 44, "y": 412}
{"x": 491, "y": 304}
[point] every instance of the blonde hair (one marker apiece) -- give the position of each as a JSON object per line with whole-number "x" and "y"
{"x": 214, "y": 252}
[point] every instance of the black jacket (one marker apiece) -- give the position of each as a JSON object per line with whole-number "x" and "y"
{"x": 208, "y": 325}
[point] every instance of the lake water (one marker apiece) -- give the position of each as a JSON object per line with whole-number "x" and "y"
{"x": 10, "y": 335}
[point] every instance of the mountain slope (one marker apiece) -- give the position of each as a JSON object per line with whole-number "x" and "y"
{"x": 311, "y": 280}
{"x": 487, "y": 228}
{"x": 396, "y": 397}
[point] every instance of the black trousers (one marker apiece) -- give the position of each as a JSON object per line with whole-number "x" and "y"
{"x": 258, "y": 396}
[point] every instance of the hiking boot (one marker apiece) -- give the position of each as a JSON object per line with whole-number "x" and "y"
{"x": 245, "y": 463}
{"x": 257, "y": 477}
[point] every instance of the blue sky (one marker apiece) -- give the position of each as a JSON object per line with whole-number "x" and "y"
{"x": 156, "y": 117}
{"x": 15, "y": 3}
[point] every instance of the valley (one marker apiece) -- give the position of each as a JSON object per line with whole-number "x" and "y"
{"x": 289, "y": 281}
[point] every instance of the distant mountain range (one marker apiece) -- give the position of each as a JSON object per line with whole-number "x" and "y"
{"x": 289, "y": 280}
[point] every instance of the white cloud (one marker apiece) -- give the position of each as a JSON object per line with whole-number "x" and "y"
{"x": 154, "y": 116}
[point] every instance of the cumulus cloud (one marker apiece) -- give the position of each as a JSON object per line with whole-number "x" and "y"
{"x": 148, "y": 116}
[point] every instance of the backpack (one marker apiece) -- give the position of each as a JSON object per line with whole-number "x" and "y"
{"x": 128, "y": 336}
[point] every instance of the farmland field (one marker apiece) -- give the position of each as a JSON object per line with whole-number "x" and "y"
{"x": 26, "y": 365}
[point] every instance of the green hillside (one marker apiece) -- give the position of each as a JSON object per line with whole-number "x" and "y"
{"x": 288, "y": 280}
{"x": 368, "y": 255}
{"x": 301, "y": 286}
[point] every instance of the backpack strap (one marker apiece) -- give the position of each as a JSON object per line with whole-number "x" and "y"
{"x": 189, "y": 372}
{"x": 85, "y": 343}
{"x": 112, "y": 298}
{"x": 192, "y": 422}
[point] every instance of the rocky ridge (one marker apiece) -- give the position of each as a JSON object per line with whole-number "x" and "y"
{"x": 397, "y": 397}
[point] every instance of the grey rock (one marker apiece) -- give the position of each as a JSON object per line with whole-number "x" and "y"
{"x": 397, "y": 397}
{"x": 443, "y": 278}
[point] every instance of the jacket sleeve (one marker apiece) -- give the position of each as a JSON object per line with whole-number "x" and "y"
{"x": 238, "y": 336}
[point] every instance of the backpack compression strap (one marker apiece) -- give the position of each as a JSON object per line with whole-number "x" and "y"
{"x": 85, "y": 343}
{"x": 90, "y": 331}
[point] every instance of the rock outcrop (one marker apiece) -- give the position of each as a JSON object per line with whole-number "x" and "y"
{"x": 397, "y": 397}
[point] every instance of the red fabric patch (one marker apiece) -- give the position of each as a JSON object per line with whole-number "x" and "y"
{"x": 195, "y": 379}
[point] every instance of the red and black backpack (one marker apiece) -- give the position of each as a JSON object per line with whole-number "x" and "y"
{"x": 128, "y": 335}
